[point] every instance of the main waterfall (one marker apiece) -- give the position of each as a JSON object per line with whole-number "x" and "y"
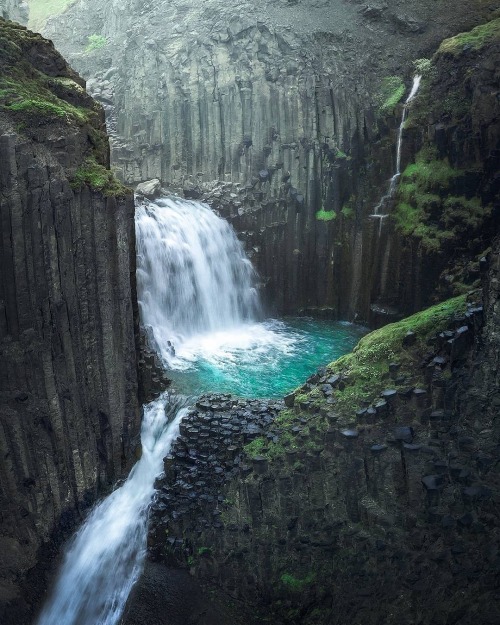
{"x": 193, "y": 275}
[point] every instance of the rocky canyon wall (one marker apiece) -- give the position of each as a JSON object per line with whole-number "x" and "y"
{"x": 280, "y": 101}
{"x": 15, "y": 10}
{"x": 69, "y": 416}
{"x": 371, "y": 497}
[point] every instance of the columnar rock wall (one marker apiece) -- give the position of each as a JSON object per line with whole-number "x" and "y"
{"x": 368, "y": 510}
{"x": 280, "y": 100}
{"x": 69, "y": 416}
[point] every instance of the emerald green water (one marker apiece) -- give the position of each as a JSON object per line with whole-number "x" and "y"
{"x": 267, "y": 359}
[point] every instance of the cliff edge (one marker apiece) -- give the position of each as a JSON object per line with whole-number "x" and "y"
{"x": 69, "y": 415}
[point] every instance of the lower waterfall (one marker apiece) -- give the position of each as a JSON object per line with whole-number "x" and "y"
{"x": 105, "y": 557}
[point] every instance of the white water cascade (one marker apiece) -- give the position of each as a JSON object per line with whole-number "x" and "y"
{"x": 378, "y": 212}
{"x": 194, "y": 278}
{"x": 105, "y": 557}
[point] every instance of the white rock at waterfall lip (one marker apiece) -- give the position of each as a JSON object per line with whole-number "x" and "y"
{"x": 150, "y": 189}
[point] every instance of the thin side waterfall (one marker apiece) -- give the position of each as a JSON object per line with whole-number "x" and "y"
{"x": 193, "y": 275}
{"x": 384, "y": 202}
{"x": 105, "y": 557}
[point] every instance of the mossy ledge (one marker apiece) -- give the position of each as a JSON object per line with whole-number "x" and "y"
{"x": 356, "y": 380}
{"x": 40, "y": 94}
{"x": 473, "y": 40}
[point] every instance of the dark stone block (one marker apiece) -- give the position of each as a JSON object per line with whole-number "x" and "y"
{"x": 433, "y": 482}
{"x": 409, "y": 339}
{"x": 350, "y": 434}
{"x": 403, "y": 434}
{"x": 289, "y": 400}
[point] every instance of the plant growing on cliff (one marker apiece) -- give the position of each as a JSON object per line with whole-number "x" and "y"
{"x": 422, "y": 66}
{"x": 471, "y": 40}
{"x": 297, "y": 584}
{"x": 98, "y": 178}
{"x": 427, "y": 208}
{"x": 95, "y": 42}
{"x": 323, "y": 215}
{"x": 390, "y": 93}
{"x": 367, "y": 365}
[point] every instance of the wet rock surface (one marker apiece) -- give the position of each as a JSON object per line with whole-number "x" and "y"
{"x": 280, "y": 99}
{"x": 167, "y": 596}
{"x": 206, "y": 456}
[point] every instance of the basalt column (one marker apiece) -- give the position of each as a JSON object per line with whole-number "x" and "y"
{"x": 69, "y": 416}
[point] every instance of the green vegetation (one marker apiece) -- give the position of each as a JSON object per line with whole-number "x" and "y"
{"x": 99, "y": 178}
{"x": 296, "y": 584}
{"x": 41, "y": 10}
{"x": 96, "y": 42}
{"x": 33, "y": 99}
{"x": 474, "y": 39}
{"x": 348, "y": 210}
{"x": 323, "y": 215}
{"x": 364, "y": 373}
{"x": 366, "y": 366}
{"x": 427, "y": 207}
{"x": 422, "y": 66}
{"x": 268, "y": 449}
{"x": 204, "y": 551}
{"x": 391, "y": 91}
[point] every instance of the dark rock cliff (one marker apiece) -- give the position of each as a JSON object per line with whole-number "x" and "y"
{"x": 69, "y": 416}
{"x": 281, "y": 101}
{"x": 373, "y": 497}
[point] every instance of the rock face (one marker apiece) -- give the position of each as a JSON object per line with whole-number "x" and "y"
{"x": 69, "y": 417}
{"x": 281, "y": 100}
{"x": 358, "y": 504}
{"x": 15, "y": 10}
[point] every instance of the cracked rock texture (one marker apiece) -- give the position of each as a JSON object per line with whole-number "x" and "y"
{"x": 69, "y": 416}
{"x": 15, "y": 10}
{"x": 279, "y": 99}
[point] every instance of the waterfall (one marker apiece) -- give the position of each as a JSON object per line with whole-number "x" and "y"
{"x": 193, "y": 278}
{"x": 393, "y": 181}
{"x": 193, "y": 275}
{"x": 105, "y": 557}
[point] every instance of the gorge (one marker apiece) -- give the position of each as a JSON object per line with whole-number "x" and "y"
{"x": 370, "y": 493}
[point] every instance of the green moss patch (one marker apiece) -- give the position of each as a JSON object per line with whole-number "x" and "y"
{"x": 390, "y": 93}
{"x": 323, "y": 215}
{"x": 472, "y": 40}
{"x": 364, "y": 374}
{"x": 95, "y": 42}
{"x": 366, "y": 367}
{"x": 297, "y": 584}
{"x": 428, "y": 207}
{"x": 33, "y": 99}
{"x": 98, "y": 178}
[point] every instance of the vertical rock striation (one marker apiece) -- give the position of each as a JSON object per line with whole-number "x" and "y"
{"x": 69, "y": 417}
{"x": 278, "y": 99}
